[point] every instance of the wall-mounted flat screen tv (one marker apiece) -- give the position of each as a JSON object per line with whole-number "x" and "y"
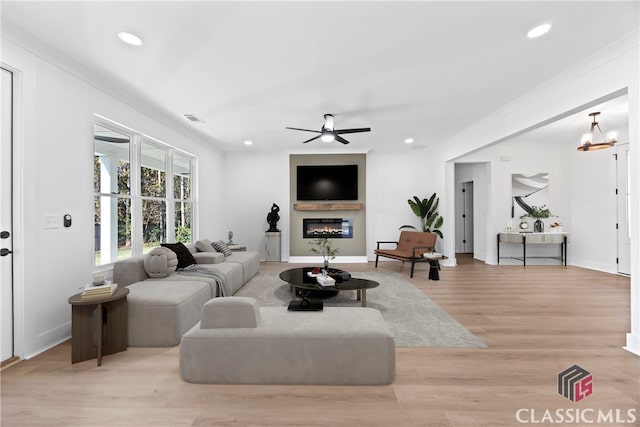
{"x": 331, "y": 182}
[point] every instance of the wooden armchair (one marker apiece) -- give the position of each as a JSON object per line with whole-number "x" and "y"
{"x": 410, "y": 247}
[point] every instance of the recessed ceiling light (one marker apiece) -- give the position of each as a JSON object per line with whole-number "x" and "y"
{"x": 408, "y": 141}
{"x": 539, "y": 31}
{"x": 129, "y": 38}
{"x": 248, "y": 143}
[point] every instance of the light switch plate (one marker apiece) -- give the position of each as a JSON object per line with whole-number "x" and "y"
{"x": 51, "y": 221}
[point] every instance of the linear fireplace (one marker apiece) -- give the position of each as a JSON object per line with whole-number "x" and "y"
{"x": 335, "y": 228}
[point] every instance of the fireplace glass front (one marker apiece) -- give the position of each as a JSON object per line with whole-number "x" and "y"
{"x": 335, "y": 228}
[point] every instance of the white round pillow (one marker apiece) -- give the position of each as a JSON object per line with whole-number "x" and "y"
{"x": 160, "y": 262}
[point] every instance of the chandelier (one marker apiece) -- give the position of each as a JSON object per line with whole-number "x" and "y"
{"x": 587, "y": 138}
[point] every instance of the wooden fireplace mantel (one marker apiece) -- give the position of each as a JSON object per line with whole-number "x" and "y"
{"x": 328, "y": 206}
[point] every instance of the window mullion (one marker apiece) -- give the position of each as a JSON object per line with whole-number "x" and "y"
{"x": 136, "y": 199}
{"x": 171, "y": 214}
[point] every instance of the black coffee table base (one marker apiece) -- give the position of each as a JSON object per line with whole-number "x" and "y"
{"x": 305, "y": 305}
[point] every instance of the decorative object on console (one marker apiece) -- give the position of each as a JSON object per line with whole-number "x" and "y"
{"x": 538, "y": 212}
{"x": 230, "y": 242}
{"x": 556, "y": 227}
{"x": 427, "y": 210}
{"x": 587, "y": 138}
{"x": 524, "y": 225}
{"x": 273, "y": 218}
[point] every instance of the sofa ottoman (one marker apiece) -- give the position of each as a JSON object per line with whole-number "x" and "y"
{"x": 237, "y": 342}
{"x": 161, "y": 311}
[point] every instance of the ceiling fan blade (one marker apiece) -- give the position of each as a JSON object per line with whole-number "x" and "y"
{"x": 306, "y": 130}
{"x": 341, "y": 139}
{"x": 340, "y": 131}
{"x": 309, "y": 140}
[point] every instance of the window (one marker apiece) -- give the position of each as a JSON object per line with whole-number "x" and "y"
{"x": 142, "y": 193}
{"x": 183, "y": 206}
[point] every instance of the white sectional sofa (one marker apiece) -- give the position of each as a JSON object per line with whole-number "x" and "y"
{"x": 164, "y": 303}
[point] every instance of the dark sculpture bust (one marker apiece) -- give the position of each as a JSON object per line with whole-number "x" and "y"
{"x": 273, "y": 218}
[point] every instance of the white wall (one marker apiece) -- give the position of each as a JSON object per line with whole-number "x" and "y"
{"x": 581, "y": 194}
{"x": 54, "y": 152}
{"x": 607, "y": 72}
{"x": 256, "y": 181}
{"x": 260, "y": 179}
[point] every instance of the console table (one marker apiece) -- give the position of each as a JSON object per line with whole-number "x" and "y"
{"x": 525, "y": 239}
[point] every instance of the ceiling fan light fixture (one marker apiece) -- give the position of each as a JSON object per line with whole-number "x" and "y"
{"x": 129, "y": 38}
{"x": 328, "y": 137}
{"x": 587, "y": 143}
{"x": 538, "y": 31}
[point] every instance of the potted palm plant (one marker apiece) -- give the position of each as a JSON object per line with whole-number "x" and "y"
{"x": 427, "y": 211}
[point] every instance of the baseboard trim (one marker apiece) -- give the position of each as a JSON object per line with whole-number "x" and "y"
{"x": 338, "y": 259}
{"x": 633, "y": 344}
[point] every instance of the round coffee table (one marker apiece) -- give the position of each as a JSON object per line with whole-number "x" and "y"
{"x": 299, "y": 278}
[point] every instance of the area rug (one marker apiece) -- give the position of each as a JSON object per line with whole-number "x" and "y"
{"x": 414, "y": 319}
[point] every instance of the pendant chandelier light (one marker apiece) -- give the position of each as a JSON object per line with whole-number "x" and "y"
{"x": 587, "y": 138}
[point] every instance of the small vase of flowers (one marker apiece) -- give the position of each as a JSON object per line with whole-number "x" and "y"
{"x": 538, "y": 212}
{"x": 323, "y": 247}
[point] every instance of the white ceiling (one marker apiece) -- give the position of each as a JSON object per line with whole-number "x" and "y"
{"x": 424, "y": 70}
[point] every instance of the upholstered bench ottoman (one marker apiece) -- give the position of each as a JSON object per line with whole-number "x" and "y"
{"x": 238, "y": 342}
{"x": 161, "y": 311}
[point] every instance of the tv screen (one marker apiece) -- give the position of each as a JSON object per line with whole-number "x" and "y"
{"x": 335, "y": 182}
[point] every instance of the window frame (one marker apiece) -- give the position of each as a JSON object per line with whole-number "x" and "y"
{"x": 136, "y": 141}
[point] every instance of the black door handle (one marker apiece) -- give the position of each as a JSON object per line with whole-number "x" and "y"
{"x": 4, "y": 252}
{"x": 4, "y": 234}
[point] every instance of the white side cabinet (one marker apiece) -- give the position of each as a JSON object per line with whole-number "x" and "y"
{"x": 272, "y": 246}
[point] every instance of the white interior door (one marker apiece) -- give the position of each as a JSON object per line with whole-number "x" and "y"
{"x": 6, "y": 232}
{"x": 624, "y": 196}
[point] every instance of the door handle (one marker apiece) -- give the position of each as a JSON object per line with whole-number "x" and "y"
{"x": 5, "y": 252}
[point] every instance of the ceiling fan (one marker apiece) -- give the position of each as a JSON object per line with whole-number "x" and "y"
{"x": 328, "y": 133}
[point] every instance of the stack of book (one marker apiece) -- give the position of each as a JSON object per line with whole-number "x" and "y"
{"x": 101, "y": 291}
{"x": 326, "y": 281}
{"x": 432, "y": 255}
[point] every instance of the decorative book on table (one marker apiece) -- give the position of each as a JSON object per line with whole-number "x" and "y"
{"x": 326, "y": 281}
{"x": 100, "y": 291}
{"x": 432, "y": 255}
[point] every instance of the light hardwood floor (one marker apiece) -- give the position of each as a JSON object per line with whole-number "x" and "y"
{"x": 536, "y": 321}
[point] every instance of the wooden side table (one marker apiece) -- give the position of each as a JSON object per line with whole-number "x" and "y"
{"x": 98, "y": 325}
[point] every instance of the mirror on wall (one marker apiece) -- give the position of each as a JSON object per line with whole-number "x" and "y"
{"x": 528, "y": 190}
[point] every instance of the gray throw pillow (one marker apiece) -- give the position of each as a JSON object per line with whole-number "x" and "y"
{"x": 205, "y": 245}
{"x": 222, "y": 247}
